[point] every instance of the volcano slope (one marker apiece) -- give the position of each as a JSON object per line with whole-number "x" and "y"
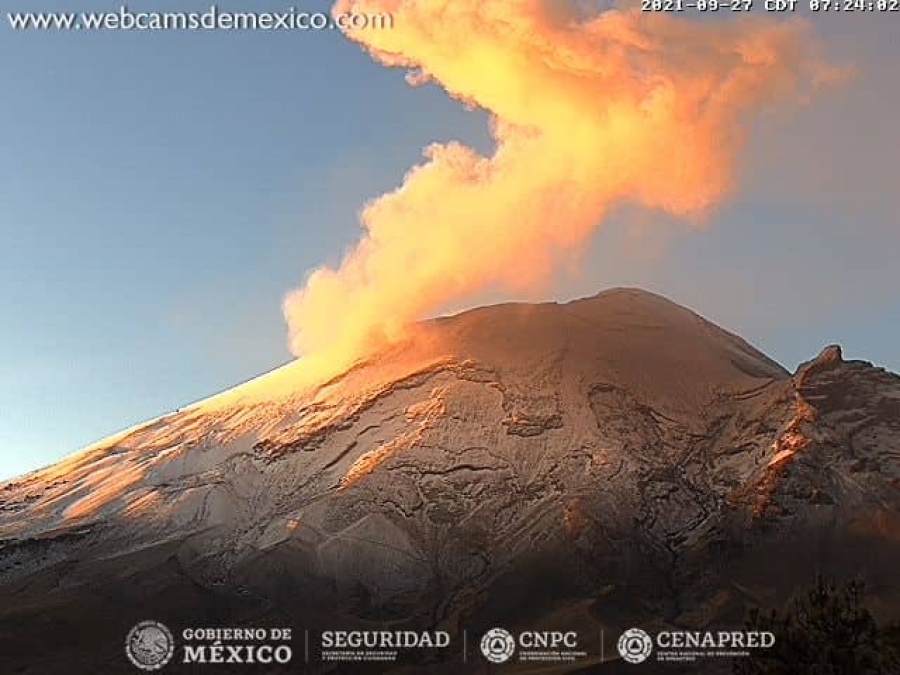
{"x": 610, "y": 462}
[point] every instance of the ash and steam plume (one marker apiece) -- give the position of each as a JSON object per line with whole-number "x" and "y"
{"x": 586, "y": 112}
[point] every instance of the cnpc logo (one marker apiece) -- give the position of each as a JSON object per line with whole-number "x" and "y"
{"x": 498, "y": 645}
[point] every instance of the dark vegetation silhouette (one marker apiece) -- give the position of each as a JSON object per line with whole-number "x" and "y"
{"x": 826, "y": 630}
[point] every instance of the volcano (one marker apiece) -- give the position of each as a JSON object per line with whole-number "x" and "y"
{"x": 611, "y": 462}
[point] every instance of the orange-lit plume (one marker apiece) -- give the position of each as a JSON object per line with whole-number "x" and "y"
{"x": 587, "y": 112}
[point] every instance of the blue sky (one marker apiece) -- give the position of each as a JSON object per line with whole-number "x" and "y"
{"x": 160, "y": 192}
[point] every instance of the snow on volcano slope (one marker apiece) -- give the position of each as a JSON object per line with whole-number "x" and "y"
{"x": 658, "y": 352}
{"x": 618, "y": 451}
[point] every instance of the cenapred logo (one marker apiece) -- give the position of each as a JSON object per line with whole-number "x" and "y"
{"x": 498, "y": 645}
{"x": 149, "y": 645}
{"x": 635, "y": 645}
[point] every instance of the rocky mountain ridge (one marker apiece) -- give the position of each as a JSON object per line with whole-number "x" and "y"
{"x": 610, "y": 462}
